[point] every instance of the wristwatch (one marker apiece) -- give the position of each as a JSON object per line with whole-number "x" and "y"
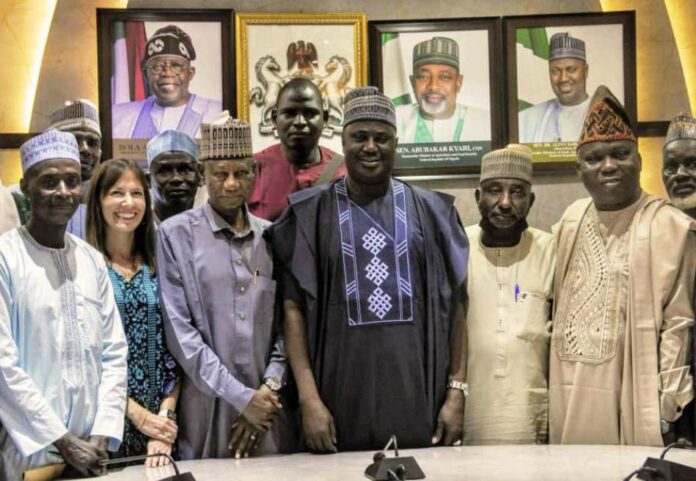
{"x": 462, "y": 386}
{"x": 168, "y": 413}
{"x": 273, "y": 383}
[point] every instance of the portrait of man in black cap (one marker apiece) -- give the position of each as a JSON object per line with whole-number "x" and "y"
{"x": 168, "y": 70}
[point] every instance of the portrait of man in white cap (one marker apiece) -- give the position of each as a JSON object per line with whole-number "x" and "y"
{"x": 168, "y": 69}
{"x": 560, "y": 119}
{"x": 437, "y": 116}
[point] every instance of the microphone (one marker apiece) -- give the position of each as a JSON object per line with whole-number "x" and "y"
{"x": 177, "y": 476}
{"x": 393, "y": 469}
{"x": 663, "y": 470}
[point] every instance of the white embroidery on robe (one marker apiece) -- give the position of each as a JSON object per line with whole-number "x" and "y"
{"x": 587, "y": 322}
{"x": 376, "y": 262}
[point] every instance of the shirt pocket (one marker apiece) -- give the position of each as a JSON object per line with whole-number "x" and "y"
{"x": 264, "y": 302}
{"x": 532, "y": 320}
{"x": 89, "y": 318}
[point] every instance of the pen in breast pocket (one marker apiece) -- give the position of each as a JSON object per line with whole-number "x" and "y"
{"x": 517, "y": 291}
{"x": 256, "y": 276}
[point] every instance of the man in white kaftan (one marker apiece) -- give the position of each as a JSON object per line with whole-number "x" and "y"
{"x": 509, "y": 291}
{"x": 436, "y": 116}
{"x": 62, "y": 347}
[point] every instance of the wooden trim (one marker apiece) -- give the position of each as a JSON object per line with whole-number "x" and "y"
{"x": 657, "y": 128}
{"x": 14, "y": 141}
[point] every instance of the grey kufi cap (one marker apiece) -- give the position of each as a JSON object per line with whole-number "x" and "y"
{"x": 76, "y": 114}
{"x": 368, "y": 103}
{"x": 511, "y": 162}
{"x": 683, "y": 126}
{"x": 437, "y": 50}
{"x": 562, "y": 45}
{"x": 226, "y": 138}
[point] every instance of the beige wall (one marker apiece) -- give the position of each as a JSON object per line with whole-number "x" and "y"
{"x": 69, "y": 68}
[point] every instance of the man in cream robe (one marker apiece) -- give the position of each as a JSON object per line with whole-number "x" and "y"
{"x": 507, "y": 326}
{"x": 679, "y": 177}
{"x": 619, "y": 366}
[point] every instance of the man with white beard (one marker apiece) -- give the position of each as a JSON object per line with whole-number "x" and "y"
{"x": 436, "y": 116}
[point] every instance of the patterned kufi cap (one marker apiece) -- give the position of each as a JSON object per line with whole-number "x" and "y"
{"x": 170, "y": 141}
{"x": 437, "y": 50}
{"x": 169, "y": 40}
{"x": 562, "y": 45}
{"x": 51, "y": 144}
{"x": 606, "y": 120}
{"x": 226, "y": 138}
{"x": 683, "y": 126}
{"x": 511, "y": 162}
{"x": 76, "y": 114}
{"x": 368, "y": 103}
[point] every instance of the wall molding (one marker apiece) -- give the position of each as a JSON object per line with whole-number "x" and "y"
{"x": 14, "y": 140}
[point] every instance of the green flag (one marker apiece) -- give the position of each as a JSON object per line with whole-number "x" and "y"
{"x": 534, "y": 39}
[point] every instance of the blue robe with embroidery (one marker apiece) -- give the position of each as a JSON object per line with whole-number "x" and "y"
{"x": 377, "y": 282}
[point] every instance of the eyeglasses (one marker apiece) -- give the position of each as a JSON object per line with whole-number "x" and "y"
{"x": 159, "y": 67}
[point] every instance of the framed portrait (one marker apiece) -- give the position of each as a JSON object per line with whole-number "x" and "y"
{"x": 443, "y": 78}
{"x": 554, "y": 65}
{"x": 161, "y": 70}
{"x": 273, "y": 48}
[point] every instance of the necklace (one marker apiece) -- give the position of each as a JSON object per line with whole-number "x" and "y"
{"x": 127, "y": 271}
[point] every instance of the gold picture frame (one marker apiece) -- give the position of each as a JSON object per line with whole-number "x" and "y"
{"x": 272, "y": 48}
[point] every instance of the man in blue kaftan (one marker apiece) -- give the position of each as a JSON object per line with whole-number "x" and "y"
{"x": 372, "y": 275}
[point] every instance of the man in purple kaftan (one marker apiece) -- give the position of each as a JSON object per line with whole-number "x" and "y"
{"x": 218, "y": 299}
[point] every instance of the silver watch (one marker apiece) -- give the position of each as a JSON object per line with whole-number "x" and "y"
{"x": 462, "y": 386}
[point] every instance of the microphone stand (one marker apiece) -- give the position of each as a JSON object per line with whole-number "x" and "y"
{"x": 393, "y": 469}
{"x": 142, "y": 457}
{"x": 663, "y": 470}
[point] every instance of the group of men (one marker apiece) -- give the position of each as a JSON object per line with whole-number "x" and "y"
{"x": 364, "y": 310}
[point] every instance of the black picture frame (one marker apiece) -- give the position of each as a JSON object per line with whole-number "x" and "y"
{"x": 554, "y": 156}
{"x": 468, "y": 162}
{"x": 105, "y": 23}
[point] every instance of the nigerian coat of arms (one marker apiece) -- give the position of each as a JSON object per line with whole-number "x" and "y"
{"x": 332, "y": 78}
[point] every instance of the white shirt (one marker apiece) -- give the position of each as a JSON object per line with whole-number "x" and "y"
{"x": 62, "y": 350}
{"x": 508, "y": 327}
{"x": 475, "y": 125}
{"x": 552, "y": 122}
